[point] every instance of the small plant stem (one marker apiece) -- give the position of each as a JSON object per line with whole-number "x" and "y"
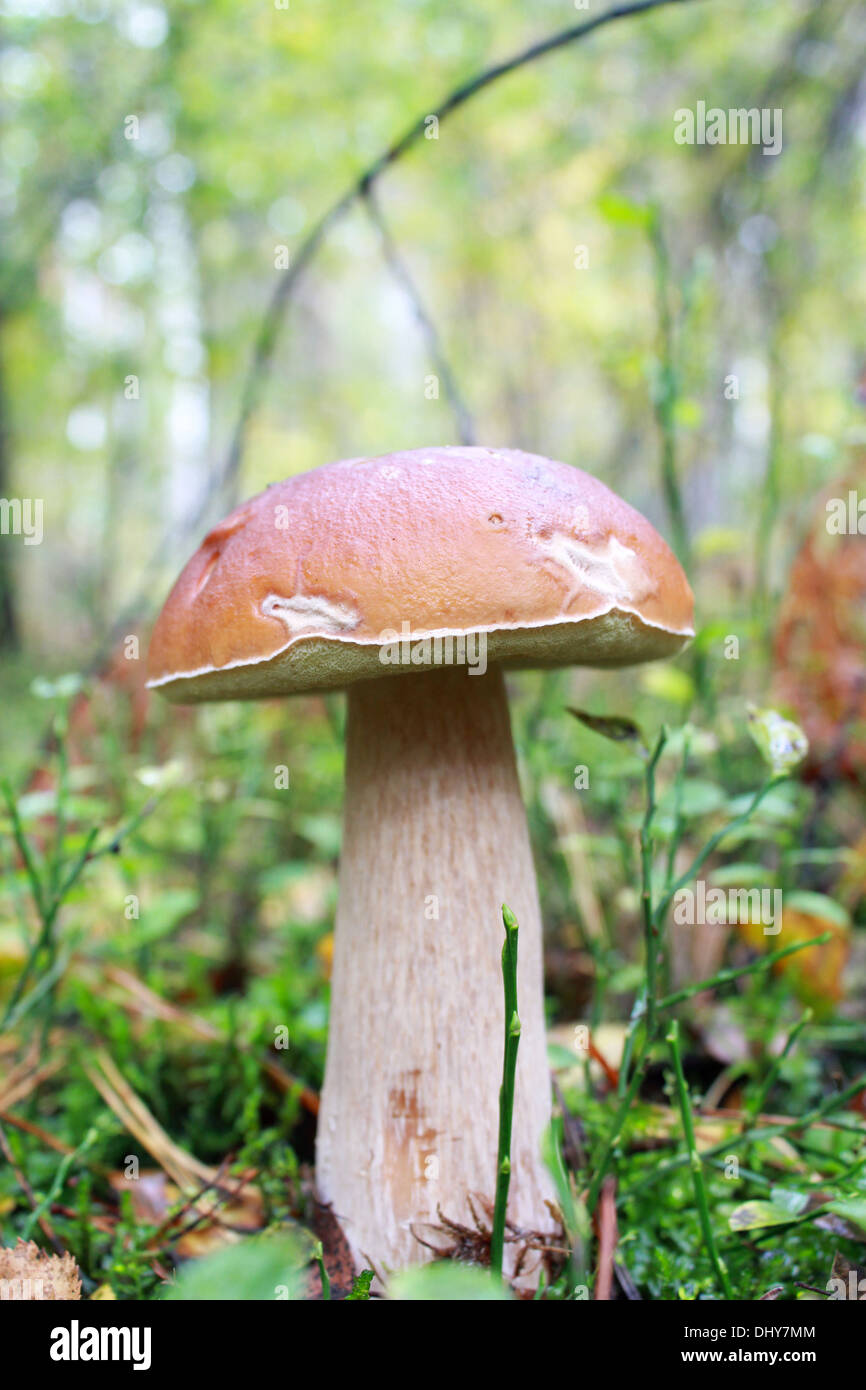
{"x": 323, "y": 1273}
{"x": 48, "y": 912}
{"x": 737, "y": 1141}
{"x": 47, "y": 1228}
{"x": 714, "y": 840}
{"x": 506, "y": 1091}
{"x": 625, "y": 1104}
{"x": 667, "y": 390}
{"x": 678, "y": 825}
{"x": 45, "y": 1203}
{"x": 673, "y": 1038}
{"x": 742, "y": 1173}
{"x": 56, "y": 864}
{"x": 43, "y": 986}
{"x": 756, "y": 1105}
{"x": 648, "y": 1005}
{"x": 637, "y": 1014}
{"x": 724, "y": 977}
{"x": 650, "y": 925}
{"x": 677, "y": 831}
{"x": 23, "y": 847}
{"x": 49, "y": 885}
{"x": 645, "y": 1005}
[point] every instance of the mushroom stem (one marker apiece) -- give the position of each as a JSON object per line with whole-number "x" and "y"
{"x": 435, "y": 840}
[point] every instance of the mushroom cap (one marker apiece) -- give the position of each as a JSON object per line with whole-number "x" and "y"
{"x": 302, "y": 587}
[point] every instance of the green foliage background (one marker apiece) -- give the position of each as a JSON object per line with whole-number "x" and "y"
{"x": 154, "y": 258}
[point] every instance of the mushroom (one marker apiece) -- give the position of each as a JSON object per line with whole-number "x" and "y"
{"x": 413, "y": 579}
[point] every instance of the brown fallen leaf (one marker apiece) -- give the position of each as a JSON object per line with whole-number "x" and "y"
{"x": 816, "y": 973}
{"x": 851, "y": 1280}
{"x": 820, "y": 632}
{"x": 195, "y": 1224}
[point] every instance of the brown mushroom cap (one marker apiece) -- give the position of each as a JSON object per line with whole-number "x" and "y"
{"x": 299, "y": 588}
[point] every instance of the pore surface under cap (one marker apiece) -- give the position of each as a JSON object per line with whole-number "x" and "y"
{"x": 299, "y": 588}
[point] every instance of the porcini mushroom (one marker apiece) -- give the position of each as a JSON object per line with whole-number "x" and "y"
{"x": 344, "y": 577}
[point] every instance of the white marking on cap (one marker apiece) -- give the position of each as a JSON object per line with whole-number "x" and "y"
{"x": 611, "y": 569}
{"x": 310, "y": 613}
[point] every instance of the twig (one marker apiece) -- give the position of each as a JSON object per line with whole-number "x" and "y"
{"x": 607, "y": 1238}
{"x": 212, "y": 1214}
{"x": 678, "y": 823}
{"x": 52, "y": 1142}
{"x": 47, "y": 905}
{"x": 627, "y": 1285}
{"x": 645, "y": 1004}
{"x": 266, "y": 340}
{"x": 23, "y": 846}
{"x": 677, "y": 832}
{"x": 183, "y": 1168}
{"x": 650, "y": 922}
{"x": 58, "y": 1182}
{"x": 666, "y": 392}
{"x": 39, "y": 1215}
{"x": 400, "y": 271}
{"x": 115, "y": 844}
{"x": 724, "y": 977}
{"x": 747, "y": 1136}
{"x": 696, "y": 1165}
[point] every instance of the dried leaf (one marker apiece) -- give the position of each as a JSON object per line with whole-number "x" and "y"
{"x": 820, "y": 640}
{"x": 847, "y": 1281}
{"x": 618, "y": 729}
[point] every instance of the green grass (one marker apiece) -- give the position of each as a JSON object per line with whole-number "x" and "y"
{"x": 176, "y": 921}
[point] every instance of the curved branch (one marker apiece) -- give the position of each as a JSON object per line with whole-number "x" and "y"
{"x": 266, "y": 338}
{"x": 267, "y": 335}
{"x": 402, "y": 275}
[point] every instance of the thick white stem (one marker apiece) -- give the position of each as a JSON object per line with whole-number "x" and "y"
{"x": 435, "y": 840}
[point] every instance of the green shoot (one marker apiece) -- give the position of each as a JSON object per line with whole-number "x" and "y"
{"x": 506, "y": 1091}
